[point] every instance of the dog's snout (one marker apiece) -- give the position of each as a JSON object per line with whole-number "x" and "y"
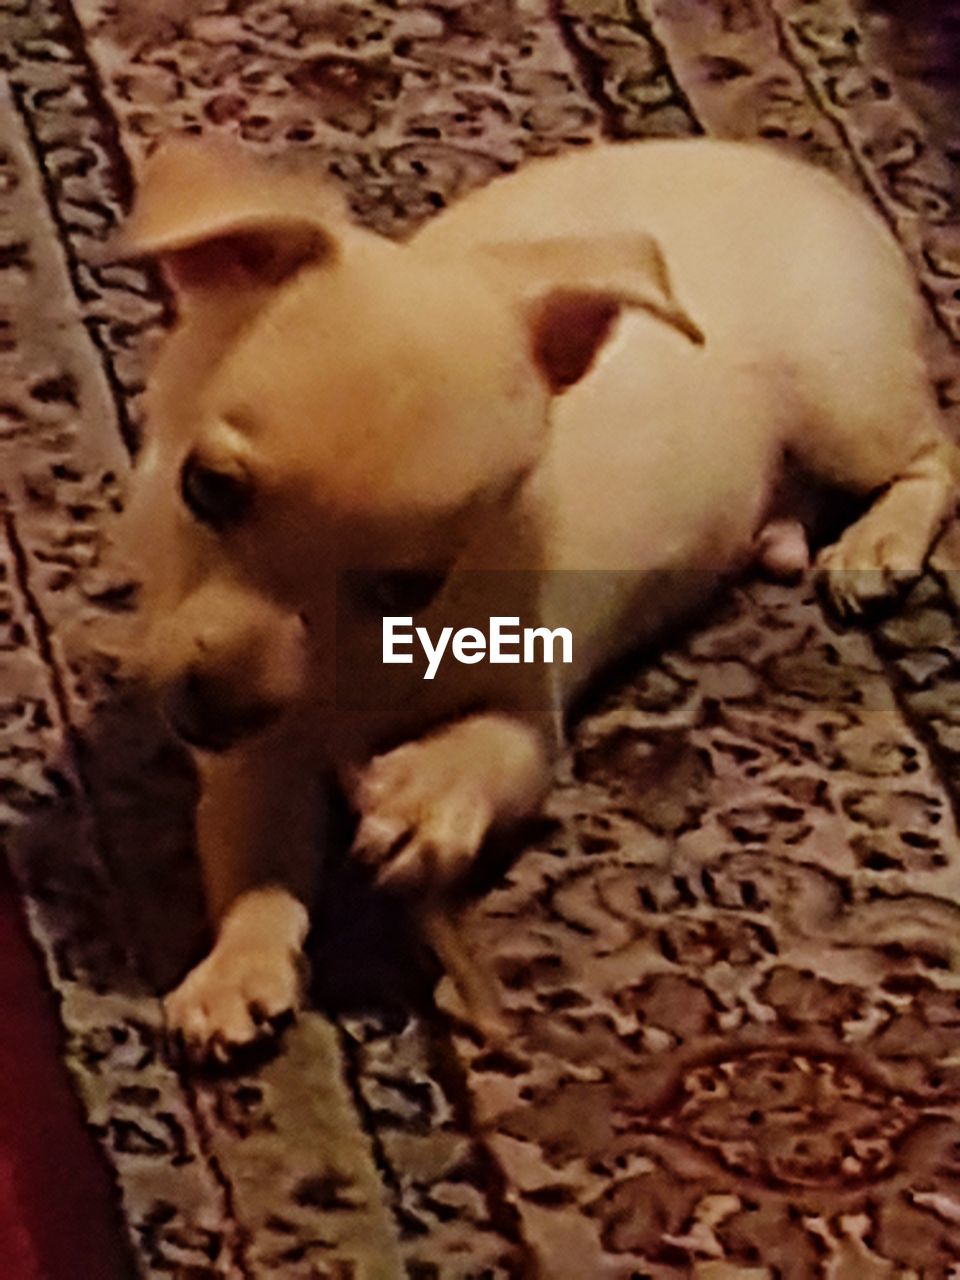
{"x": 207, "y": 712}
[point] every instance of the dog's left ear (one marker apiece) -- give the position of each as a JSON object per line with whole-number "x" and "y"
{"x": 572, "y": 288}
{"x": 221, "y": 221}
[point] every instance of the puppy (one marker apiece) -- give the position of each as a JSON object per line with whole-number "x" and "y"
{"x": 567, "y": 400}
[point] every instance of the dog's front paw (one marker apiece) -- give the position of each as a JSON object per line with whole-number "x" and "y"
{"x": 234, "y": 999}
{"x": 250, "y": 983}
{"x": 420, "y": 824}
{"x": 427, "y": 807}
{"x": 865, "y": 571}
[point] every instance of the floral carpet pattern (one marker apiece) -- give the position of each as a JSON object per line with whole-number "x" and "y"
{"x": 728, "y": 956}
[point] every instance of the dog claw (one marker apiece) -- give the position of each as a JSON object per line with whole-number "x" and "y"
{"x": 378, "y": 837}
{"x": 435, "y": 851}
{"x": 410, "y": 867}
{"x": 423, "y": 864}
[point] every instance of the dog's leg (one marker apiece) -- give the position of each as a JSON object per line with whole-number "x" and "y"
{"x": 887, "y": 548}
{"x": 256, "y": 838}
{"x": 426, "y": 807}
{"x": 872, "y": 427}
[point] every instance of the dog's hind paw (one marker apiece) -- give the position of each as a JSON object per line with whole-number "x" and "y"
{"x": 859, "y": 575}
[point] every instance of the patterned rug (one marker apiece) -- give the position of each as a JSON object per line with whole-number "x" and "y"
{"x": 728, "y": 956}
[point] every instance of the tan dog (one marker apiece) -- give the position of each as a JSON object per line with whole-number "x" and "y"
{"x": 568, "y": 400}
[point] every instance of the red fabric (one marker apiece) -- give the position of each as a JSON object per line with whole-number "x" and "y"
{"x": 20, "y": 1260}
{"x": 57, "y": 1217}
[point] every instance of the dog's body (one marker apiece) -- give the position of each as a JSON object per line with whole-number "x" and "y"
{"x": 567, "y": 399}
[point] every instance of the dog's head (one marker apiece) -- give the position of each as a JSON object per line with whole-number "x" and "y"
{"x": 333, "y": 401}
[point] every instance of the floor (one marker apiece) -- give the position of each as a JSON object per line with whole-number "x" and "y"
{"x": 920, "y": 40}
{"x": 728, "y": 955}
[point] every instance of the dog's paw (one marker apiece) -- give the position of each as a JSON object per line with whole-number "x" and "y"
{"x": 865, "y": 571}
{"x": 427, "y": 807}
{"x": 421, "y": 823}
{"x": 237, "y": 997}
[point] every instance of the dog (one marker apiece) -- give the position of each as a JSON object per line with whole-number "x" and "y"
{"x": 568, "y": 399}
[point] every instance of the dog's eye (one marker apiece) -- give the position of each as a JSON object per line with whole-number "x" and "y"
{"x": 216, "y": 496}
{"x": 399, "y": 591}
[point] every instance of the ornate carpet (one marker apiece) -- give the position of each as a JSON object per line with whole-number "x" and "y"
{"x": 728, "y": 955}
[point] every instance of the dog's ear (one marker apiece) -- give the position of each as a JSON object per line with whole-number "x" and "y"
{"x": 572, "y": 288}
{"x": 218, "y": 219}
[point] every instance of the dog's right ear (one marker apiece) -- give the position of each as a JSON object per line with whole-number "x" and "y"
{"x": 218, "y": 219}
{"x": 571, "y": 289}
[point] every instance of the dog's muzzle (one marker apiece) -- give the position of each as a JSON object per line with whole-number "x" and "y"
{"x": 206, "y": 713}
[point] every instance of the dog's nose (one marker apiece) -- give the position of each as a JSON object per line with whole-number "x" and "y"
{"x": 207, "y": 713}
